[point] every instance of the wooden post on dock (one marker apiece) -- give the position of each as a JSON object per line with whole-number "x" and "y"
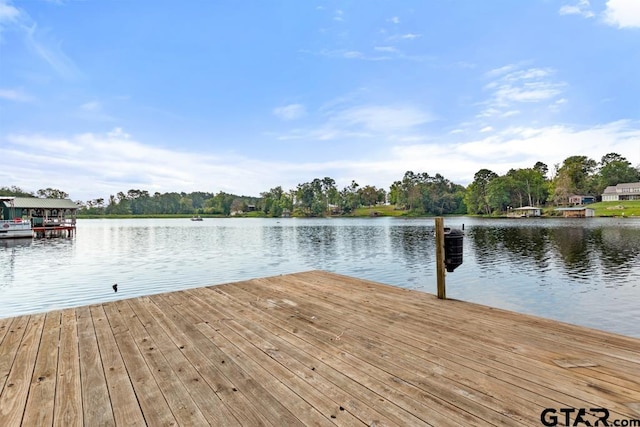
{"x": 440, "y": 267}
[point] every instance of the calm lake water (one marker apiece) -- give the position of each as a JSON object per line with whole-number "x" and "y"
{"x": 583, "y": 271}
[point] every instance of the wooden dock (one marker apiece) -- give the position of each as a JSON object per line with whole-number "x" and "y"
{"x": 311, "y": 348}
{"x": 54, "y": 231}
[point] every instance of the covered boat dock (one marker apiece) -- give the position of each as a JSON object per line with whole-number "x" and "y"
{"x": 48, "y": 217}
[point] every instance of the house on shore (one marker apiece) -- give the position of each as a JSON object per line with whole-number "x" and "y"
{"x": 524, "y": 212}
{"x": 577, "y": 212}
{"x": 580, "y": 200}
{"x": 625, "y": 191}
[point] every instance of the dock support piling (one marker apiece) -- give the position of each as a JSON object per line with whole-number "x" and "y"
{"x": 440, "y": 267}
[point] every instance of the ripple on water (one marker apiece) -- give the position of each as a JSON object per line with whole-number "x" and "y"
{"x": 530, "y": 266}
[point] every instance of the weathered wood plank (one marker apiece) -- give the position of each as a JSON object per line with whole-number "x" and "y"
{"x": 68, "y": 402}
{"x": 515, "y": 334}
{"x": 126, "y": 410}
{"x": 97, "y": 409}
{"x": 13, "y": 398}
{"x": 182, "y": 406}
{"x": 40, "y": 404}
{"x": 9, "y": 347}
{"x": 214, "y": 366}
{"x": 496, "y": 363}
{"x": 154, "y": 406}
{"x": 496, "y": 357}
{"x": 310, "y": 348}
{"x": 541, "y": 346}
{"x": 231, "y": 362}
{"x": 340, "y": 342}
{"x": 577, "y": 335}
{"x": 315, "y": 366}
{"x": 309, "y": 406}
{"x": 5, "y": 325}
{"x": 143, "y": 327}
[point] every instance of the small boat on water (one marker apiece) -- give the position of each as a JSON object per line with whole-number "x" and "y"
{"x": 12, "y": 227}
{"x": 196, "y": 218}
{"x": 15, "y": 229}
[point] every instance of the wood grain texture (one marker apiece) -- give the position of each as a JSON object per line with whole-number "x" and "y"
{"x": 311, "y": 348}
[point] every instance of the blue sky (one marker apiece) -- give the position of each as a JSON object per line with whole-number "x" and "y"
{"x": 98, "y": 97}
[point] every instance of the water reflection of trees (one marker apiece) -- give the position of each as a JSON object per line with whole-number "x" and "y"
{"x": 317, "y": 243}
{"x": 619, "y": 249}
{"x": 415, "y": 242}
{"x": 493, "y": 244}
{"x": 575, "y": 250}
{"x": 583, "y": 252}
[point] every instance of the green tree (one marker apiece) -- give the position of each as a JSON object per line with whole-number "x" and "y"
{"x": 349, "y": 198}
{"x": 395, "y": 194}
{"x": 368, "y": 195}
{"x": 476, "y": 197}
{"x": 52, "y": 193}
{"x": 529, "y": 186}
{"x": 575, "y": 176}
{"x": 615, "y": 169}
{"x": 15, "y": 192}
{"x": 275, "y": 201}
{"x": 499, "y": 193}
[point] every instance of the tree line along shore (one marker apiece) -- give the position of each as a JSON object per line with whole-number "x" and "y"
{"x": 416, "y": 194}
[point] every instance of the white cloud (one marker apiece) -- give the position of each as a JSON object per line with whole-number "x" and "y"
{"x": 8, "y": 13}
{"x": 510, "y": 113}
{"x": 395, "y": 20}
{"x": 95, "y": 165}
{"x": 338, "y": 15}
{"x": 383, "y": 118}
{"x": 486, "y": 129}
{"x": 582, "y": 8}
{"x": 91, "y": 106}
{"x": 9, "y": 16}
{"x": 623, "y": 13}
{"x": 401, "y": 37}
{"x": 363, "y": 121}
{"x": 385, "y": 49}
{"x": 513, "y": 86}
{"x": 520, "y": 147}
{"x": 40, "y": 42}
{"x": 50, "y": 51}
{"x": 496, "y": 72}
{"x": 16, "y": 95}
{"x": 290, "y": 112}
{"x": 618, "y": 13}
{"x": 353, "y": 54}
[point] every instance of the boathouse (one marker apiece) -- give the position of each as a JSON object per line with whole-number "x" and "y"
{"x": 524, "y": 212}
{"x": 577, "y": 212}
{"x": 43, "y": 214}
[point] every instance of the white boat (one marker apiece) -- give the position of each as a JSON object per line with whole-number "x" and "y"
{"x": 13, "y": 227}
{"x": 196, "y": 218}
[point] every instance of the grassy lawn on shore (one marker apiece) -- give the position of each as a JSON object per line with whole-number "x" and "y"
{"x": 628, "y": 208}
